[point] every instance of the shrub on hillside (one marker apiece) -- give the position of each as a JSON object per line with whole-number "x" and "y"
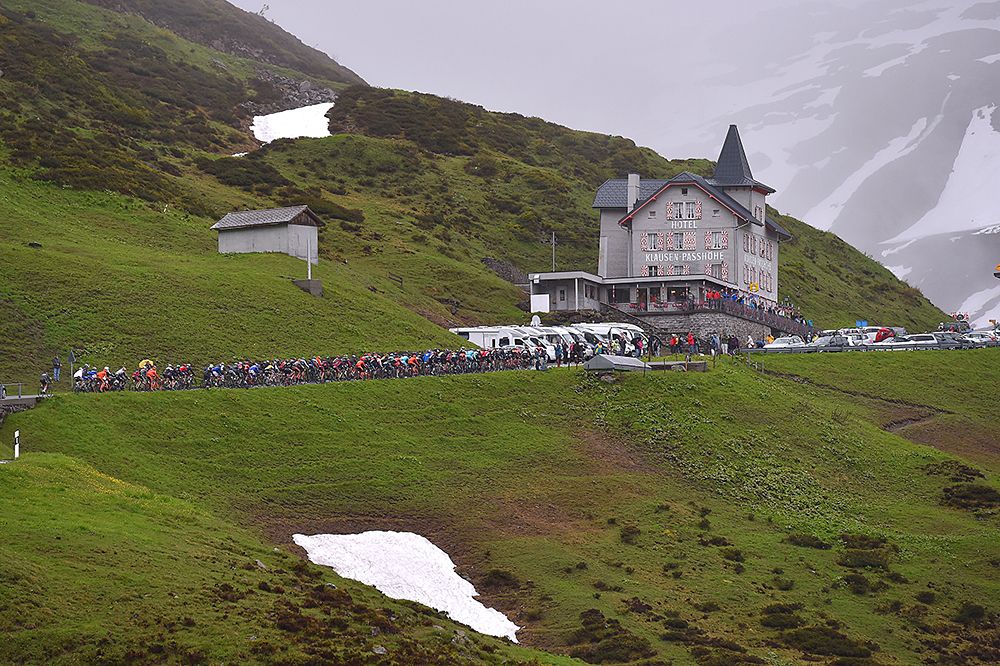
{"x": 954, "y": 470}
{"x": 247, "y": 173}
{"x": 972, "y": 496}
{"x": 629, "y": 534}
{"x": 970, "y": 613}
{"x": 603, "y": 640}
{"x": 825, "y": 641}
{"x": 807, "y": 541}
{"x": 500, "y": 579}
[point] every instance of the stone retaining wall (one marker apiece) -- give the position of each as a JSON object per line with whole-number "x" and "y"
{"x": 703, "y": 324}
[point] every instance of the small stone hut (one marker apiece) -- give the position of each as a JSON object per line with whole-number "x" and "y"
{"x": 292, "y": 231}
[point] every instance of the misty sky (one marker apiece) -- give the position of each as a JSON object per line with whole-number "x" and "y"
{"x": 652, "y": 71}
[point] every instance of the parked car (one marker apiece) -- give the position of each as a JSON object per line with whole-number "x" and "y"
{"x": 952, "y": 340}
{"x": 787, "y": 342}
{"x": 831, "y": 343}
{"x": 983, "y": 338}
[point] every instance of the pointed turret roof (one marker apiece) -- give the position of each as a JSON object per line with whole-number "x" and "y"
{"x": 733, "y": 169}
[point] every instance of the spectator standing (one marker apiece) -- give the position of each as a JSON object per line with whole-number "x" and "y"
{"x": 559, "y": 355}
{"x": 725, "y": 344}
{"x": 692, "y": 346}
{"x": 56, "y": 368}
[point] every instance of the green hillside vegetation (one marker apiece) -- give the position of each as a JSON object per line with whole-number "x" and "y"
{"x": 720, "y": 518}
{"x": 412, "y": 185}
{"x": 221, "y": 26}
{"x": 119, "y": 280}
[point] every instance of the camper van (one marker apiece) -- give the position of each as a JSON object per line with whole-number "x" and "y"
{"x": 482, "y": 336}
{"x": 535, "y": 337}
{"x": 611, "y": 330}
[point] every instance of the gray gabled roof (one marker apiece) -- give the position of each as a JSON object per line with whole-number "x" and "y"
{"x": 263, "y": 218}
{"x": 718, "y": 193}
{"x": 602, "y": 362}
{"x": 614, "y": 193}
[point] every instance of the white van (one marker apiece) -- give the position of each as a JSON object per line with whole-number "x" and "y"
{"x": 481, "y": 336}
{"x": 536, "y": 338}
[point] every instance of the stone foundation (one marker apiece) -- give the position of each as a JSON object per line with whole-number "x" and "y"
{"x": 312, "y": 287}
{"x": 704, "y": 324}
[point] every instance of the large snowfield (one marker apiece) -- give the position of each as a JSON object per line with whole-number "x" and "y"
{"x": 962, "y": 206}
{"x": 307, "y": 121}
{"x": 404, "y": 565}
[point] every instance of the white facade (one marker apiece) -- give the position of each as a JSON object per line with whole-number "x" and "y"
{"x": 296, "y": 240}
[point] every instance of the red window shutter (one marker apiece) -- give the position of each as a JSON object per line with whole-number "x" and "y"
{"x": 725, "y": 239}
{"x": 708, "y": 240}
{"x": 670, "y": 210}
{"x": 697, "y": 210}
{"x": 643, "y": 242}
{"x": 644, "y": 270}
{"x": 725, "y": 271}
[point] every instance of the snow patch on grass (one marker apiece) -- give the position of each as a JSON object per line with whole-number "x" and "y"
{"x": 307, "y": 121}
{"x": 404, "y": 565}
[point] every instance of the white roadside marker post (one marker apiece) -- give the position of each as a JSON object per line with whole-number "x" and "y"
{"x": 17, "y": 444}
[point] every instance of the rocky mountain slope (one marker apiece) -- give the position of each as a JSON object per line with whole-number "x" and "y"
{"x": 884, "y": 130}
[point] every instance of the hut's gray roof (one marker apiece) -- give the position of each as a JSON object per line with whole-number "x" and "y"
{"x": 262, "y": 218}
{"x": 610, "y": 362}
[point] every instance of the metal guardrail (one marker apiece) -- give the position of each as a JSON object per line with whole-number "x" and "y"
{"x": 867, "y": 348}
{"x": 5, "y": 391}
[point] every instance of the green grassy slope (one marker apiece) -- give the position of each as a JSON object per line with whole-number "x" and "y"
{"x": 415, "y": 186}
{"x": 678, "y": 506}
{"x": 96, "y": 570}
{"x": 118, "y": 280}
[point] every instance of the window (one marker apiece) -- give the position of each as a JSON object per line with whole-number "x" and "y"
{"x": 678, "y": 240}
{"x": 652, "y": 212}
{"x": 677, "y": 270}
{"x": 716, "y": 240}
{"x": 716, "y": 271}
{"x": 715, "y": 212}
{"x": 654, "y": 270}
{"x": 654, "y": 242}
{"x": 684, "y": 191}
{"x": 689, "y": 209}
{"x": 678, "y": 210}
{"x": 562, "y": 295}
